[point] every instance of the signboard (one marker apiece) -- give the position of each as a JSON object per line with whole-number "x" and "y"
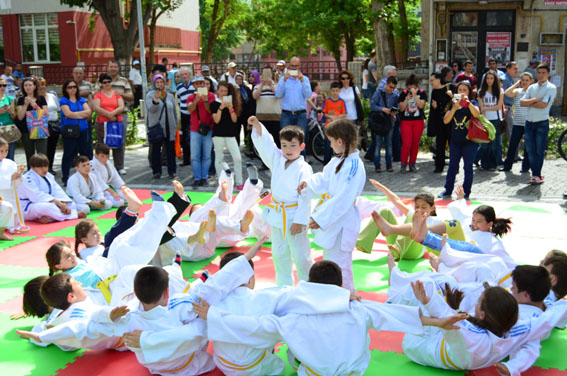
{"x": 499, "y": 47}
{"x": 548, "y": 56}
{"x": 556, "y": 3}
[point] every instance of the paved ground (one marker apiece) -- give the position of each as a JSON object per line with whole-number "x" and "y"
{"x": 487, "y": 185}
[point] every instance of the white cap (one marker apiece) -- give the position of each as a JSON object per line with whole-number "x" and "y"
{"x": 135, "y": 62}
{"x": 232, "y": 64}
{"x": 281, "y": 62}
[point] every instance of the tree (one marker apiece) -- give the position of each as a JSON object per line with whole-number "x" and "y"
{"x": 124, "y": 35}
{"x": 159, "y": 7}
{"x": 383, "y": 55}
{"x": 219, "y": 23}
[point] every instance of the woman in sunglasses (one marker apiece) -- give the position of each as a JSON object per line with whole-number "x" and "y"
{"x": 75, "y": 113}
{"x": 350, "y": 94}
{"x": 7, "y": 114}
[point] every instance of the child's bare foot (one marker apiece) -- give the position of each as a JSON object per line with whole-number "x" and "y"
{"x": 179, "y": 190}
{"x": 246, "y": 220}
{"x": 391, "y": 265}
{"x": 199, "y": 237}
{"x": 223, "y": 194}
{"x": 81, "y": 214}
{"x": 212, "y": 225}
{"x": 4, "y": 236}
{"x": 419, "y": 230}
{"x": 383, "y": 225}
{"x": 444, "y": 240}
{"x": 394, "y": 251}
{"x": 45, "y": 219}
{"x": 434, "y": 261}
{"x": 134, "y": 203}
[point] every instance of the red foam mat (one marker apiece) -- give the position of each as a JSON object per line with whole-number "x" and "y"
{"x": 13, "y": 305}
{"x": 30, "y": 253}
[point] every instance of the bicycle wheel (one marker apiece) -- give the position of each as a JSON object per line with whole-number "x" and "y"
{"x": 562, "y": 145}
{"x": 318, "y": 146}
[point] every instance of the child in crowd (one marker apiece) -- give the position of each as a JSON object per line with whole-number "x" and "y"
{"x": 288, "y": 213}
{"x": 336, "y": 220}
{"x": 87, "y": 190}
{"x": 101, "y": 167}
{"x": 334, "y": 108}
{"x": 402, "y": 246}
{"x": 10, "y": 214}
{"x": 42, "y": 199}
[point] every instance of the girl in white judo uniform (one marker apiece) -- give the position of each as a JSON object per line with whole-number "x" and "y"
{"x": 11, "y": 218}
{"x": 336, "y": 220}
{"x": 87, "y": 190}
{"x": 288, "y": 213}
{"x": 105, "y": 170}
{"x": 42, "y": 199}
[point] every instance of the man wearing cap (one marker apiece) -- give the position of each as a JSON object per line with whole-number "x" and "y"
{"x": 135, "y": 78}
{"x": 206, "y": 72}
{"x": 532, "y": 68}
{"x": 201, "y": 145}
{"x": 280, "y": 70}
{"x": 184, "y": 89}
{"x": 294, "y": 88}
{"x": 230, "y": 76}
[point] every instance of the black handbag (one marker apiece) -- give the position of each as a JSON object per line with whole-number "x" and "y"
{"x": 155, "y": 132}
{"x": 204, "y": 128}
{"x": 379, "y": 122}
{"x": 358, "y": 104}
{"x": 71, "y": 131}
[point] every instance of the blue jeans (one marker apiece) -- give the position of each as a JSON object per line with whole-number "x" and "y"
{"x": 433, "y": 241}
{"x": 201, "y": 147}
{"x": 515, "y": 138}
{"x": 535, "y": 136}
{"x": 457, "y": 150}
{"x": 71, "y": 148}
{"x": 299, "y": 119}
{"x": 387, "y": 141}
{"x": 488, "y": 153}
{"x": 12, "y": 150}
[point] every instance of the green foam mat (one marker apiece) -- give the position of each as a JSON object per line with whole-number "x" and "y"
{"x": 394, "y": 364}
{"x": 94, "y": 214}
{"x": 104, "y": 225}
{"x": 196, "y": 197}
{"x": 550, "y": 351}
{"x": 13, "y": 279}
{"x": 4, "y": 244}
{"x": 21, "y": 357}
{"x": 528, "y": 209}
{"x": 190, "y": 268}
{"x": 372, "y": 275}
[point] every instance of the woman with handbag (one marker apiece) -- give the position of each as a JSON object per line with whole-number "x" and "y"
{"x": 75, "y": 113}
{"x": 108, "y": 106}
{"x": 30, "y": 101}
{"x": 8, "y": 129}
{"x": 351, "y": 96}
{"x": 52, "y": 119}
{"x": 440, "y": 98}
{"x": 491, "y": 100}
{"x": 162, "y": 120}
{"x": 463, "y": 107}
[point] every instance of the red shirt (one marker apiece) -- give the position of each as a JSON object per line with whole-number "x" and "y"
{"x": 108, "y": 104}
{"x": 204, "y": 115}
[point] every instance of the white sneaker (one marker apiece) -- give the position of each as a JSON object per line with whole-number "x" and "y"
{"x": 122, "y": 172}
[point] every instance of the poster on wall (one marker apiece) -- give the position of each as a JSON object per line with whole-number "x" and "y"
{"x": 557, "y": 3}
{"x": 499, "y": 47}
{"x": 463, "y": 45}
{"x": 548, "y": 56}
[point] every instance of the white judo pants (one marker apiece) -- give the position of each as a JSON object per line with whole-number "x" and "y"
{"x": 6, "y": 214}
{"x": 296, "y": 247}
{"x": 87, "y": 209}
{"x": 343, "y": 259}
{"x": 41, "y": 209}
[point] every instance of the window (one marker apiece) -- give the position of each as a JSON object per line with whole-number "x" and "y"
{"x": 40, "y": 37}
{"x": 462, "y": 19}
{"x": 500, "y": 18}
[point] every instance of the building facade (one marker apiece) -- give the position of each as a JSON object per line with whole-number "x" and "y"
{"x": 505, "y": 29}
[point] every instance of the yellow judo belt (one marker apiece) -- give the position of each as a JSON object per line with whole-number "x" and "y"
{"x": 182, "y": 367}
{"x": 310, "y": 372}
{"x": 103, "y": 286}
{"x": 281, "y": 206}
{"x": 504, "y": 278}
{"x": 445, "y": 357}
{"x": 241, "y": 367}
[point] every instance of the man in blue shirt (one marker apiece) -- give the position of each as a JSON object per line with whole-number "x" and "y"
{"x": 508, "y": 81}
{"x": 294, "y": 88}
{"x": 538, "y": 98}
{"x": 389, "y": 108}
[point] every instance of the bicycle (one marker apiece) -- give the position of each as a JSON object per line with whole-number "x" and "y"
{"x": 318, "y": 138}
{"x": 562, "y": 144}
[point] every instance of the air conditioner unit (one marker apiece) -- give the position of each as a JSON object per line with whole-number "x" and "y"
{"x": 551, "y": 39}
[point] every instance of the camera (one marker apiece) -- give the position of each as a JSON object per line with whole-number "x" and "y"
{"x": 394, "y": 109}
{"x": 458, "y": 97}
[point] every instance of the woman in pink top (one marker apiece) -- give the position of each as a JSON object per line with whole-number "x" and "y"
{"x": 108, "y": 106}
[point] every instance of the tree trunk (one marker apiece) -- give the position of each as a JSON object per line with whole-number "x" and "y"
{"x": 383, "y": 54}
{"x": 217, "y": 23}
{"x": 391, "y": 43}
{"x": 349, "y": 44}
{"x": 153, "y": 22}
{"x": 337, "y": 56}
{"x": 403, "y": 43}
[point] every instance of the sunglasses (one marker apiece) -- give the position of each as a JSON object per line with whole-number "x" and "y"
{"x": 345, "y": 78}
{"x": 3, "y": 85}
{"x": 72, "y": 87}
{"x": 106, "y": 82}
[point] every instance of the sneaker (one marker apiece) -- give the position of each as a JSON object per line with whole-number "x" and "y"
{"x": 240, "y": 187}
{"x": 413, "y": 167}
{"x": 226, "y": 169}
{"x": 195, "y": 183}
{"x": 157, "y": 176}
{"x": 204, "y": 183}
{"x": 532, "y": 180}
{"x": 444, "y": 194}
{"x": 172, "y": 176}
{"x": 539, "y": 180}
{"x": 404, "y": 168}
{"x": 389, "y": 168}
{"x": 122, "y": 171}
{"x": 377, "y": 169}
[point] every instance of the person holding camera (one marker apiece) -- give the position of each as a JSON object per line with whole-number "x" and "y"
{"x": 385, "y": 104}
{"x": 411, "y": 102}
{"x": 458, "y": 117}
{"x": 160, "y": 105}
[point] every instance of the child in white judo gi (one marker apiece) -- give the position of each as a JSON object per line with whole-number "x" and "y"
{"x": 105, "y": 170}
{"x": 317, "y": 339}
{"x": 88, "y": 191}
{"x": 10, "y": 215}
{"x": 288, "y": 213}
{"x": 336, "y": 220}
{"x": 42, "y": 199}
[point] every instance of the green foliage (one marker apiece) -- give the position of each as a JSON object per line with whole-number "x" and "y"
{"x": 231, "y": 34}
{"x": 556, "y": 127}
{"x": 392, "y": 15}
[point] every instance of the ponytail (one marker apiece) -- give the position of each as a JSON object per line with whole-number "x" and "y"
{"x": 453, "y": 297}
{"x": 500, "y": 226}
{"x": 344, "y": 129}
{"x": 500, "y": 309}
{"x": 82, "y": 231}
{"x": 53, "y": 255}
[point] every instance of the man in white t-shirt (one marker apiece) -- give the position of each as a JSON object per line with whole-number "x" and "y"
{"x": 135, "y": 78}
{"x": 10, "y": 81}
{"x": 230, "y": 76}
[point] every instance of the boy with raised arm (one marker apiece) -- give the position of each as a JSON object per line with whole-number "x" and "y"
{"x": 288, "y": 213}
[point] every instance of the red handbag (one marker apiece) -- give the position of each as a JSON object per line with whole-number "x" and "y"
{"x": 481, "y": 130}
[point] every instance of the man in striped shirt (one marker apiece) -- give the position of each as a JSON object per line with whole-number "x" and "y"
{"x": 184, "y": 89}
